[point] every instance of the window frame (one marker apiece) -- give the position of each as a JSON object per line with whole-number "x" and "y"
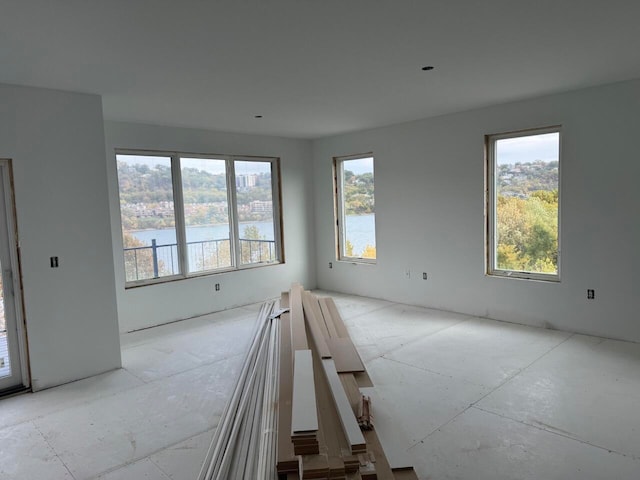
{"x": 340, "y": 233}
{"x": 491, "y": 206}
{"x": 232, "y": 207}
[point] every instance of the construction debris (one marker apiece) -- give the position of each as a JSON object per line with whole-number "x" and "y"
{"x": 364, "y": 413}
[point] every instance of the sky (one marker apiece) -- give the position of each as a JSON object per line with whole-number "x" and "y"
{"x": 211, "y": 165}
{"x": 528, "y": 149}
{"x": 359, "y": 166}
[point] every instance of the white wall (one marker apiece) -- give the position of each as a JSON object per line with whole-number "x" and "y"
{"x": 430, "y": 213}
{"x": 156, "y": 304}
{"x": 56, "y": 142}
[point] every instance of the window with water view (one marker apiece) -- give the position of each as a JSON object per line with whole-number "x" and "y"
{"x": 523, "y": 215}
{"x": 356, "y": 217}
{"x": 188, "y": 215}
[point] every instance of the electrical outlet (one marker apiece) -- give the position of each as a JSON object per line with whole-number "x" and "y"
{"x": 53, "y": 261}
{"x": 217, "y": 287}
{"x": 591, "y": 294}
{"x": 424, "y": 275}
{"x": 330, "y": 264}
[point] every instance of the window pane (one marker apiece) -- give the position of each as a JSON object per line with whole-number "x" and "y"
{"x": 206, "y": 213}
{"x": 254, "y": 195}
{"x": 148, "y": 219}
{"x": 526, "y": 182}
{"x": 358, "y": 209}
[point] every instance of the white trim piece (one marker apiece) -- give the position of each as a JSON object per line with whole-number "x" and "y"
{"x": 348, "y": 419}
{"x": 304, "y": 410}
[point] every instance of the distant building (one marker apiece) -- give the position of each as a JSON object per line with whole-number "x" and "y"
{"x": 246, "y": 181}
{"x": 259, "y": 206}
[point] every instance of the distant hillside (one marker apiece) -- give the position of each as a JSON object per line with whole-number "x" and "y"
{"x": 522, "y": 179}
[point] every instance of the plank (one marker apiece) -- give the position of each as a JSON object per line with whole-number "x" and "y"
{"x": 328, "y": 320}
{"x": 298, "y": 330}
{"x": 337, "y": 318}
{"x": 352, "y": 390}
{"x": 390, "y": 435}
{"x": 311, "y": 314}
{"x": 383, "y": 468}
{"x": 363, "y": 379}
{"x": 336, "y": 443}
{"x": 347, "y": 417}
{"x": 409, "y": 474}
{"x": 345, "y": 355}
{"x": 314, "y": 466}
{"x": 304, "y": 414}
{"x": 284, "y": 300}
{"x": 286, "y": 460}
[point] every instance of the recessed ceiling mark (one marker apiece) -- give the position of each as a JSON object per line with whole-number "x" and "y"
{"x": 257, "y": 116}
{"x": 428, "y": 67}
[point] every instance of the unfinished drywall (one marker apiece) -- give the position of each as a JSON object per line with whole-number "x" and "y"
{"x": 429, "y": 187}
{"x": 161, "y": 303}
{"x": 56, "y": 142}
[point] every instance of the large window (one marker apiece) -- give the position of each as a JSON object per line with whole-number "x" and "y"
{"x": 356, "y": 217}
{"x": 523, "y": 204}
{"x": 185, "y": 215}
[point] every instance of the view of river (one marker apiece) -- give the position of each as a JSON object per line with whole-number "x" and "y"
{"x": 360, "y": 228}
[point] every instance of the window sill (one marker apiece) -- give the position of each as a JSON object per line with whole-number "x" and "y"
{"x": 539, "y": 277}
{"x": 191, "y": 276}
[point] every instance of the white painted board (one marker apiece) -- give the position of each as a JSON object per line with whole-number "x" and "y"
{"x": 347, "y": 417}
{"x": 304, "y": 412}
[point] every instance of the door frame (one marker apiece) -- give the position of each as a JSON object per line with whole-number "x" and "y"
{"x": 17, "y": 309}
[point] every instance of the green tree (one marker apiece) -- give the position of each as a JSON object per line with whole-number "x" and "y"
{"x": 253, "y": 248}
{"x": 527, "y": 232}
{"x": 138, "y": 263}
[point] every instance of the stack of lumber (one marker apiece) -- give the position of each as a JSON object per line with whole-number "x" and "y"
{"x": 320, "y": 404}
{"x": 297, "y": 411}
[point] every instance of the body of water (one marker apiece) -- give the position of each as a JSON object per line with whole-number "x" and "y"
{"x": 167, "y": 236}
{"x": 360, "y": 232}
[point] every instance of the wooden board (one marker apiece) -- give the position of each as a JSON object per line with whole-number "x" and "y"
{"x": 284, "y": 300}
{"x": 347, "y": 417}
{"x": 311, "y": 313}
{"x": 337, "y": 318}
{"x": 363, "y": 379}
{"x": 304, "y": 413}
{"x": 390, "y": 435}
{"x": 298, "y": 330}
{"x": 328, "y": 320}
{"x": 345, "y": 355}
{"x": 286, "y": 460}
{"x": 409, "y": 474}
{"x": 336, "y": 443}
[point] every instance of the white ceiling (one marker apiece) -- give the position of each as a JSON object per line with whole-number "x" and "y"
{"x": 313, "y": 68}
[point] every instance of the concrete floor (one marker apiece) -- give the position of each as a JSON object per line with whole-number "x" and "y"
{"x": 472, "y": 399}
